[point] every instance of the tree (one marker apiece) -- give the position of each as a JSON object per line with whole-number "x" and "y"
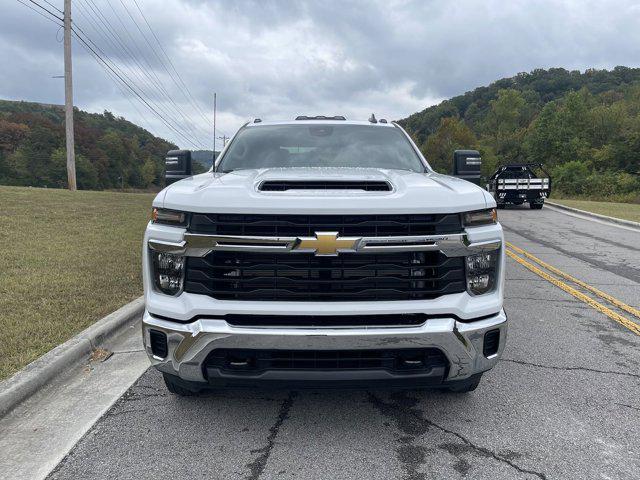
{"x": 505, "y": 126}
{"x": 452, "y": 134}
{"x": 11, "y": 134}
{"x": 108, "y": 148}
{"x": 148, "y": 172}
{"x": 556, "y": 117}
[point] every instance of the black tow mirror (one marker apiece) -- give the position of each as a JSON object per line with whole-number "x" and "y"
{"x": 466, "y": 165}
{"x": 177, "y": 165}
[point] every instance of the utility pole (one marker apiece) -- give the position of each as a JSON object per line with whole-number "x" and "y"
{"x": 68, "y": 98}
{"x": 224, "y": 139}
{"x": 214, "y": 127}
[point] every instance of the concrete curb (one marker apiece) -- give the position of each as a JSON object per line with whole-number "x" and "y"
{"x": 41, "y": 371}
{"x": 618, "y": 221}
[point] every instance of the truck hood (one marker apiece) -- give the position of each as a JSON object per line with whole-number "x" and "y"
{"x": 238, "y": 192}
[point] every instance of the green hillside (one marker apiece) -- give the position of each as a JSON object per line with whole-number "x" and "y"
{"x": 585, "y": 127}
{"x": 111, "y": 152}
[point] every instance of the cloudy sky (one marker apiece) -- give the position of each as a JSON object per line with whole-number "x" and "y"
{"x": 278, "y": 59}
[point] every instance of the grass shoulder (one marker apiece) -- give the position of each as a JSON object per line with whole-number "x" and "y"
{"x": 626, "y": 211}
{"x": 68, "y": 259}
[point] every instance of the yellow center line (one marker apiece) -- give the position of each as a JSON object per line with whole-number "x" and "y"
{"x": 622, "y": 306}
{"x": 634, "y": 327}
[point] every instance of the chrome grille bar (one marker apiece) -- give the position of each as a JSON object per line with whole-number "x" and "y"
{"x": 200, "y": 245}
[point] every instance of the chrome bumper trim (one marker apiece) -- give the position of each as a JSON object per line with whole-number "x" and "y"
{"x": 189, "y": 344}
{"x": 200, "y": 245}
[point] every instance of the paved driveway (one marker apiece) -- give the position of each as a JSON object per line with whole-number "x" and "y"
{"x": 563, "y": 403}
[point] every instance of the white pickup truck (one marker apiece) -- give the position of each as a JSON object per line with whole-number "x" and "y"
{"x": 322, "y": 252}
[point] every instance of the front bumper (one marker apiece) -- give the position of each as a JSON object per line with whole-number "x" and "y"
{"x": 189, "y": 344}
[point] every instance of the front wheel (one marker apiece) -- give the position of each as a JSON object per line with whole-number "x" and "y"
{"x": 467, "y": 385}
{"x": 180, "y": 387}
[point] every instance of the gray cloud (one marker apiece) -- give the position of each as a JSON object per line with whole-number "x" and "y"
{"x": 277, "y": 59}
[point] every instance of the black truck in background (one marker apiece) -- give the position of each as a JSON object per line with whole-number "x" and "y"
{"x": 520, "y": 183}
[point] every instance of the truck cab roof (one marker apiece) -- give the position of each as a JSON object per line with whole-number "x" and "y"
{"x": 327, "y": 121}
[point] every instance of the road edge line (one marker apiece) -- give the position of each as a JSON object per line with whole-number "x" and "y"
{"x": 39, "y": 373}
{"x": 604, "y": 218}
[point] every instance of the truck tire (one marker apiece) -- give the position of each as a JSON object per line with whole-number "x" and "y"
{"x": 180, "y": 387}
{"x": 536, "y": 206}
{"x": 467, "y": 385}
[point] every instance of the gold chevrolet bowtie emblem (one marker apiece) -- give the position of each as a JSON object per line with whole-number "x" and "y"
{"x": 327, "y": 244}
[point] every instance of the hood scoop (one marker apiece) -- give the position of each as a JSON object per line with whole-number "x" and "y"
{"x": 285, "y": 185}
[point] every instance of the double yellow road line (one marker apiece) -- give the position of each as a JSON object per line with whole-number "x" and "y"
{"x": 522, "y": 257}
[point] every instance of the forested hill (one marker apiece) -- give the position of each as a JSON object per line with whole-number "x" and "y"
{"x": 111, "y": 152}
{"x": 584, "y": 126}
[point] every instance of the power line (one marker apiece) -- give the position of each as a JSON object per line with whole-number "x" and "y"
{"x": 108, "y": 66}
{"x": 46, "y": 10}
{"x": 111, "y": 76}
{"x": 105, "y": 26}
{"x": 53, "y": 6}
{"x": 105, "y": 65}
{"x": 40, "y": 13}
{"x": 161, "y": 62}
{"x": 115, "y": 80}
{"x": 188, "y": 124}
{"x": 122, "y": 73}
{"x": 132, "y": 89}
{"x": 55, "y": 16}
{"x": 184, "y": 85}
{"x": 149, "y": 71}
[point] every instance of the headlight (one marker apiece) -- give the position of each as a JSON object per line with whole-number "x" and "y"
{"x": 168, "y": 217}
{"x": 168, "y": 272}
{"x": 480, "y": 217}
{"x": 481, "y": 272}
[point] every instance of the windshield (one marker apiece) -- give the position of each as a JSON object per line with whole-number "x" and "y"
{"x": 272, "y": 146}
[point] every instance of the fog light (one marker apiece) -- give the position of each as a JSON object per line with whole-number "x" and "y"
{"x": 479, "y": 283}
{"x": 481, "y": 272}
{"x": 168, "y": 272}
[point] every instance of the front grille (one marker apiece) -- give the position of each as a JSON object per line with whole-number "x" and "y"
{"x": 395, "y": 360}
{"x": 304, "y": 277}
{"x": 284, "y": 185}
{"x": 308, "y": 225}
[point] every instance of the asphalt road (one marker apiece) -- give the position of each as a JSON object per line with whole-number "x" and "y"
{"x": 563, "y": 403}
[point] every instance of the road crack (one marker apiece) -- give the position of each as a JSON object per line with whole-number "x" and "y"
{"x": 257, "y": 466}
{"x": 569, "y": 369}
{"x": 628, "y": 406}
{"x": 412, "y": 424}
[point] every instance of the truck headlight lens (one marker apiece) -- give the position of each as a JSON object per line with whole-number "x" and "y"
{"x": 481, "y": 272}
{"x": 168, "y": 272}
{"x": 480, "y": 217}
{"x": 168, "y": 217}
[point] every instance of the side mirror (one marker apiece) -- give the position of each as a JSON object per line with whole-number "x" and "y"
{"x": 466, "y": 165}
{"x": 177, "y": 165}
